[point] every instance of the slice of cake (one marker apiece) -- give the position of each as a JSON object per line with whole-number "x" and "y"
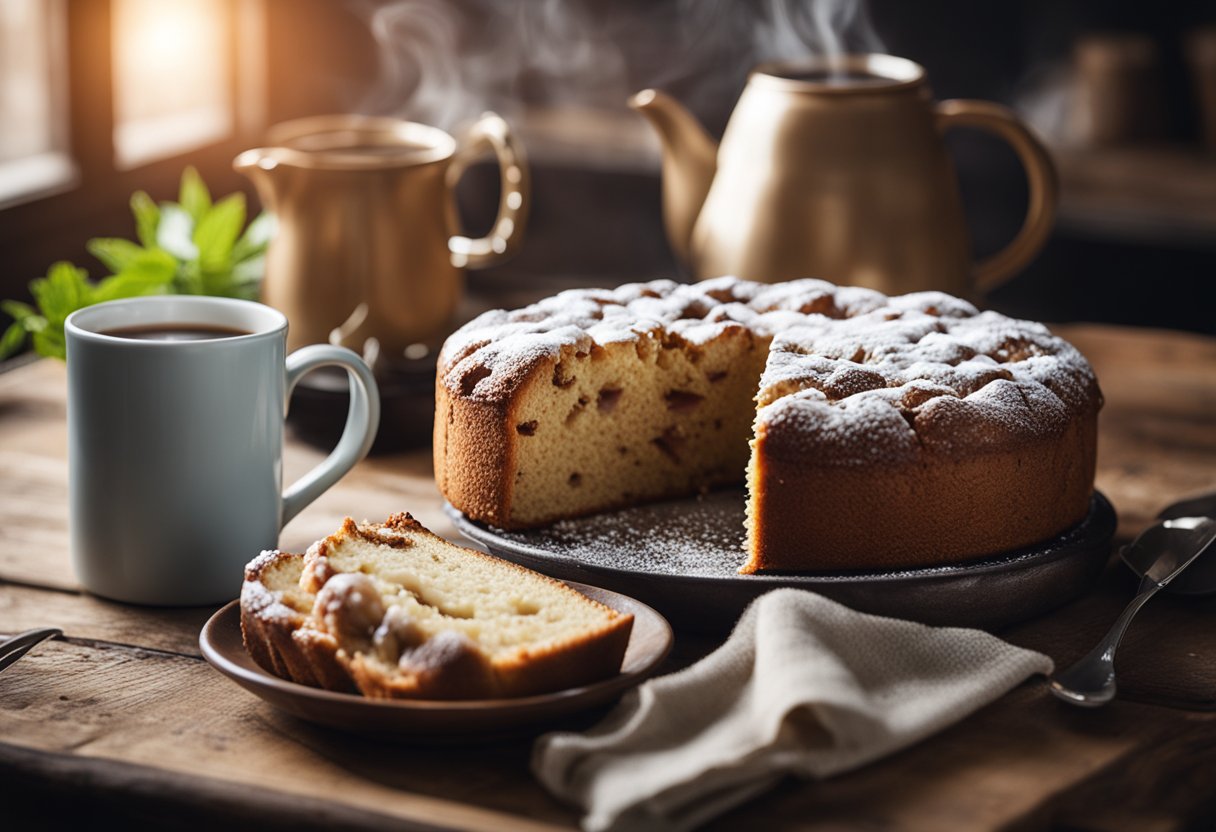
{"x": 886, "y": 431}
{"x": 394, "y": 611}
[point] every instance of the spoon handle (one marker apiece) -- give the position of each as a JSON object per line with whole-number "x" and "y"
{"x": 20, "y": 644}
{"x": 1091, "y": 681}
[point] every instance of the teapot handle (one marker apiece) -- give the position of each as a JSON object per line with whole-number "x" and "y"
{"x": 1040, "y": 175}
{"x": 505, "y": 236}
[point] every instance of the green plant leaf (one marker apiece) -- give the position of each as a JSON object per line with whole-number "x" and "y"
{"x": 193, "y": 194}
{"x": 114, "y": 253}
{"x": 127, "y": 285}
{"x": 216, "y": 233}
{"x": 12, "y": 340}
{"x": 17, "y": 310}
{"x": 195, "y": 247}
{"x": 32, "y": 323}
{"x": 176, "y": 231}
{"x": 215, "y": 282}
{"x": 255, "y": 239}
{"x": 189, "y": 279}
{"x": 147, "y": 218}
{"x": 246, "y": 279}
{"x": 51, "y": 343}
{"x": 64, "y": 290}
{"x": 150, "y": 272}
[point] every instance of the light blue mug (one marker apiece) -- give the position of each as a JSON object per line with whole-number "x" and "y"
{"x": 175, "y": 442}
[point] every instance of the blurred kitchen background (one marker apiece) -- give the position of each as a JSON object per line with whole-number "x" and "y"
{"x": 99, "y": 98}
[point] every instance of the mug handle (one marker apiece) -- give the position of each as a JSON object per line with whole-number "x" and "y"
{"x": 362, "y": 420}
{"x": 1040, "y": 175}
{"x": 516, "y": 193}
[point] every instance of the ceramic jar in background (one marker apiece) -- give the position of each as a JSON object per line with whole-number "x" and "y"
{"x": 1201, "y": 56}
{"x": 1120, "y": 90}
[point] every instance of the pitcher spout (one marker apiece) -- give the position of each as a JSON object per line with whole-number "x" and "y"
{"x": 260, "y": 166}
{"x": 689, "y": 164}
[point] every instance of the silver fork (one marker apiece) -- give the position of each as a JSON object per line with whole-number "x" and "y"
{"x": 20, "y": 644}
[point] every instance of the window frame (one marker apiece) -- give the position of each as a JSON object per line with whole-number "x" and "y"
{"x": 59, "y": 170}
{"x": 55, "y": 225}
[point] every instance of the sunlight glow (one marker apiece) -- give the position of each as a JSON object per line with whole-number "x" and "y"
{"x": 172, "y": 84}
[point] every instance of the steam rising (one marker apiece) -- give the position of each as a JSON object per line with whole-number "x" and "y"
{"x": 445, "y": 62}
{"x": 794, "y": 30}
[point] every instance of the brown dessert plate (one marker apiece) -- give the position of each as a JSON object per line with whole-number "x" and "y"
{"x": 682, "y": 557}
{"x": 433, "y": 721}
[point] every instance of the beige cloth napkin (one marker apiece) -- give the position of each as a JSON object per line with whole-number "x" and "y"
{"x": 803, "y": 686}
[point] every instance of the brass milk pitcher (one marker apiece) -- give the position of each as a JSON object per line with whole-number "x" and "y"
{"x": 837, "y": 169}
{"x": 366, "y": 244}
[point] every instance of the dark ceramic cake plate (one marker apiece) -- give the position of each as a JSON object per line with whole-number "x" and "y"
{"x": 681, "y": 557}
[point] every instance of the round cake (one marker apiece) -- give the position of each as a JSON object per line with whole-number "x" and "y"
{"x": 884, "y": 431}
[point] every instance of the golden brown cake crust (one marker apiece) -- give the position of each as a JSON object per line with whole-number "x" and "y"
{"x": 276, "y": 635}
{"x": 848, "y": 519}
{"x": 918, "y": 433}
{"x": 285, "y": 632}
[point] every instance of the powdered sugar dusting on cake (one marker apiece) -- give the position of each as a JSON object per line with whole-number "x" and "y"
{"x": 812, "y": 423}
{"x": 256, "y": 597}
{"x": 922, "y": 372}
{"x": 491, "y": 354}
{"x": 855, "y": 374}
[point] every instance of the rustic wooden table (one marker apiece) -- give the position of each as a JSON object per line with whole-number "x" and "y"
{"x": 122, "y": 719}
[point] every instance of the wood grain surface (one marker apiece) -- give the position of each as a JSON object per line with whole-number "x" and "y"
{"x": 122, "y": 716}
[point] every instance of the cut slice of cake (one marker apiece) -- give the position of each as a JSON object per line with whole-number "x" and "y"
{"x": 394, "y": 611}
{"x": 599, "y": 399}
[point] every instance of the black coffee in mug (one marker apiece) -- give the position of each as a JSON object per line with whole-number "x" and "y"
{"x": 174, "y": 332}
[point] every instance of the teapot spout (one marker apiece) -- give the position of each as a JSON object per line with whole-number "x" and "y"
{"x": 689, "y": 164}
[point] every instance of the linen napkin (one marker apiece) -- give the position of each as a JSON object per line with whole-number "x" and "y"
{"x": 803, "y": 686}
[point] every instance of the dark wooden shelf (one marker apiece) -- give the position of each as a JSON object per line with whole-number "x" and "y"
{"x": 1162, "y": 195}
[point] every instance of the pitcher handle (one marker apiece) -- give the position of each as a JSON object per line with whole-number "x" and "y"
{"x": 1040, "y": 175}
{"x": 505, "y": 236}
{"x": 362, "y": 420}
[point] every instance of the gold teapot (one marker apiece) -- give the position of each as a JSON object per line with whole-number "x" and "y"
{"x": 837, "y": 169}
{"x": 366, "y": 244}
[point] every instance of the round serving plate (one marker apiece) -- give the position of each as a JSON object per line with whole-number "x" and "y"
{"x": 431, "y": 722}
{"x": 681, "y": 557}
